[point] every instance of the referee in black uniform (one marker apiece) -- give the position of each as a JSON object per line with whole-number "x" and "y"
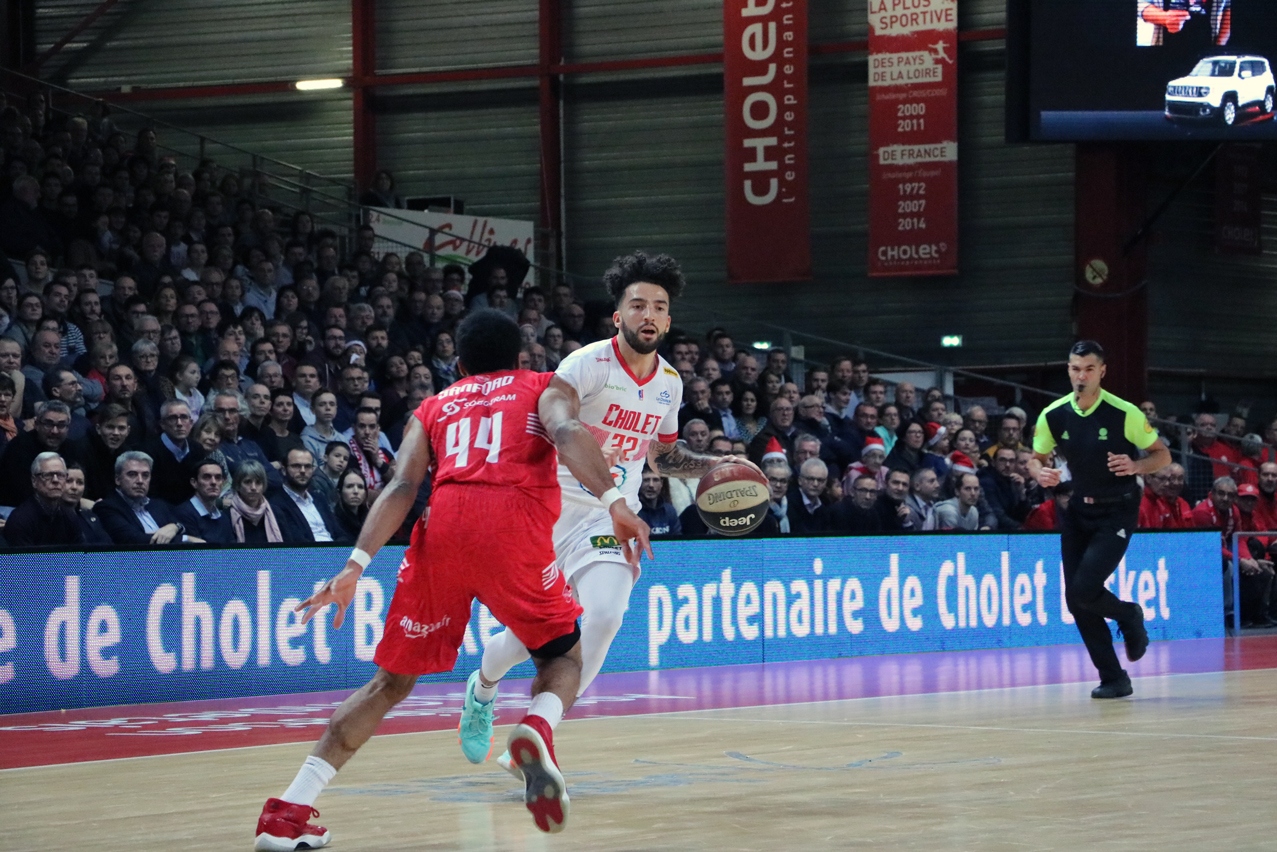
{"x": 1098, "y": 433}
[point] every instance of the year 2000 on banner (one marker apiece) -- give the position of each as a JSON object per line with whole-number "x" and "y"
{"x": 913, "y": 132}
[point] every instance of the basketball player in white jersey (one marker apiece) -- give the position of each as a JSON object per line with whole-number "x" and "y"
{"x": 628, "y": 396}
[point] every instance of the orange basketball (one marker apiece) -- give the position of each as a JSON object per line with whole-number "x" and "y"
{"x": 732, "y": 499}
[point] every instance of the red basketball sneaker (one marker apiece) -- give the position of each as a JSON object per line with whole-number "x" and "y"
{"x": 531, "y": 747}
{"x": 282, "y": 827}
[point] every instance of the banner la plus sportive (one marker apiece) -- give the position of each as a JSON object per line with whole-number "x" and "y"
{"x": 913, "y": 137}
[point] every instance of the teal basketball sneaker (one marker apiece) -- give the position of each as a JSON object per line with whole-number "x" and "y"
{"x": 475, "y": 729}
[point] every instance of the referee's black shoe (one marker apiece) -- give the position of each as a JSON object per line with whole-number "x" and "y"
{"x": 1134, "y": 634}
{"x": 1114, "y": 689}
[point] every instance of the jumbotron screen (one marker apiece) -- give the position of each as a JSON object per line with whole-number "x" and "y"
{"x": 1151, "y": 69}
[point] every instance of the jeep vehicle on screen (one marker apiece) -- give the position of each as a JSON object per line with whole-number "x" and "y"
{"x": 1222, "y": 89}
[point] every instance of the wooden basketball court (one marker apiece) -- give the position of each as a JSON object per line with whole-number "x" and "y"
{"x": 993, "y": 750}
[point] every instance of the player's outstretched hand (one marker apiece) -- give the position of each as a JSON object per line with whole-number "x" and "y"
{"x": 632, "y": 532}
{"x": 339, "y": 590}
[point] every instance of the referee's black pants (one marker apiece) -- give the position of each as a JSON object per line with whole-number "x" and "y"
{"x": 1092, "y": 543}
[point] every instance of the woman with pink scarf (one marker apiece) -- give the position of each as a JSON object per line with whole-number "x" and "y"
{"x": 251, "y": 516}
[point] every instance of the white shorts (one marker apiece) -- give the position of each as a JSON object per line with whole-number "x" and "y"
{"x": 583, "y": 536}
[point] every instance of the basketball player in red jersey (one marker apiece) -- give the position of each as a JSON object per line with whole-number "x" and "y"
{"x": 491, "y": 440}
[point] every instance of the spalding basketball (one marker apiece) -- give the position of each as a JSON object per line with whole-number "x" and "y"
{"x": 732, "y": 499}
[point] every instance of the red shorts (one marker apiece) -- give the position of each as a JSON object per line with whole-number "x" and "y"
{"x": 487, "y": 542}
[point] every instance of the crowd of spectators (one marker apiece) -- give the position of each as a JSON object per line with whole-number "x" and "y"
{"x": 179, "y": 362}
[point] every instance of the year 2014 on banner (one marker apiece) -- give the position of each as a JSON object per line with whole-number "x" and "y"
{"x": 913, "y": 133}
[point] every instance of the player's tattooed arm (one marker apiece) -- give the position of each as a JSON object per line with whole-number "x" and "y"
{"x": 678, "y": 459}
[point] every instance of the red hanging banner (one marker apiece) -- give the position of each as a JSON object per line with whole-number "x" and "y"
{"x": 913, "y": 137}
{"x": 765, "y": 117}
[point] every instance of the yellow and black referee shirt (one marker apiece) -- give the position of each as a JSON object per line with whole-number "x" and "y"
{"x": 1085, "y": 438}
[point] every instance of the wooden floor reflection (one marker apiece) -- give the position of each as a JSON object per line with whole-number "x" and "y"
{"x": 1184, "y": 765}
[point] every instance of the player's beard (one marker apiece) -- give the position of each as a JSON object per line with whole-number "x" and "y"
{"x": 638, "y": 344}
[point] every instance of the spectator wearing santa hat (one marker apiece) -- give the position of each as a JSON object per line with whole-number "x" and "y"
{"x": 872, "y": 456}
{"x": 936, "y": 448}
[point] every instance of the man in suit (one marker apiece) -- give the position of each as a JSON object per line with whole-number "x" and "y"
{"x": 301, "y": 517}
{"x": 43, "y": 519}
{"x": 171, "y": 450}
{"x": 201, "y": 514}
{"x": 132, "y": 517}
{"x": 922, "y": 500}
{"x": 807, "y": 513}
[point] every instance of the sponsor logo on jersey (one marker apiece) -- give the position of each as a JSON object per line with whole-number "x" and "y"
{"x": 670, "y": 371}
{"x": 1148, "y": 427}
{"x": 626, "y": 419}
{"x": 664, "y": 397}
{"x": 417, "y": 630}
{"x": 640, "y": 393}
{"x": 1104, "y": 434}
{"x": 1065, "y": 436}
{"x": 603, "y": 542}
{"x": 610, "y": 386}
{"x": 453, "y": 406}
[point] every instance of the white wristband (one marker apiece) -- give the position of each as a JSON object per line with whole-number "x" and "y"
{"x": 360, "y": 557}
{"x": 611, "y": 496}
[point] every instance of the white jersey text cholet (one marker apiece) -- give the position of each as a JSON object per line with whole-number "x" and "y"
{"x": 623, "y": 413}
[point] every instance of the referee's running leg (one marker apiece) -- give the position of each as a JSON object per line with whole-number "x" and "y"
{"x": 1092, "y": 543}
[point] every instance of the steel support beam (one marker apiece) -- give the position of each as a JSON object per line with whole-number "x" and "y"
{"x": 550, "y": 56}
{"x": 17, "y": 33}
{"x": 363, "y": 33}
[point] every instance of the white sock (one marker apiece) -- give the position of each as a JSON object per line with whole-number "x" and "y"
{"x": 549, "y": 707}
{"x": 502, "y": 653}
{"x": 484, "y": 694}
{"x": 311, "y": 780}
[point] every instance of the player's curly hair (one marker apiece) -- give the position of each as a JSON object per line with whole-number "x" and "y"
{"x": 488, "y": 341}
{"x": 659, "y": 269}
